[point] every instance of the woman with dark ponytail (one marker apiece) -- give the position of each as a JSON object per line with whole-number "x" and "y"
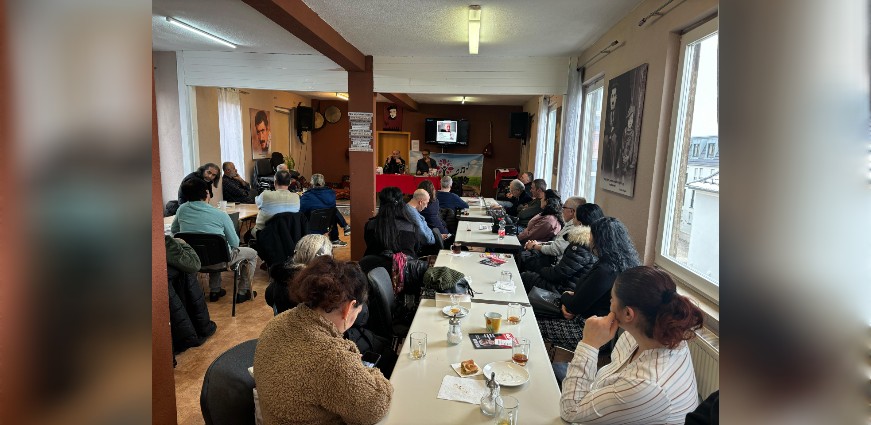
{"x": 650, "y": 378}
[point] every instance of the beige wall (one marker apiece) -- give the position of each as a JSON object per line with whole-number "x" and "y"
{"x": 657, "y": 44}
{"x": 527, "y": 154}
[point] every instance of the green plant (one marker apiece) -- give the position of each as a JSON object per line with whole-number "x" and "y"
{"x": 290, "y": 163}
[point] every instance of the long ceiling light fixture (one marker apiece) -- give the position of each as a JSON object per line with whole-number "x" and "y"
{"x": 474, "y": 28}
{"x": 181, "y": 24}
{"x": 342, "y": 96}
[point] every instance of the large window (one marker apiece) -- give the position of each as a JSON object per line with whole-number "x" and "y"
{"x": 690, "y": 229}
{"x": 588, "y": 154}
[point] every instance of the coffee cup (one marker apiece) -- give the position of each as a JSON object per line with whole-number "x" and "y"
{"x": 493, "y": 322}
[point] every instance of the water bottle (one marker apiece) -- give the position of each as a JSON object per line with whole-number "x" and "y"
{"x": 501, "y": 229}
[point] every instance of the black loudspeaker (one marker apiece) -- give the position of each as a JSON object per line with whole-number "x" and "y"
{"x": 519, "y": 125}
{"x": 305, "y": 118}
{"x": 462, "y": 132}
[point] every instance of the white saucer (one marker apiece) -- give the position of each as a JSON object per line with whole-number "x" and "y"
{"x": 463, "y": 311}
{"x": 507, "y": 373}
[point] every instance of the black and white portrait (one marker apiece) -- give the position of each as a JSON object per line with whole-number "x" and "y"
{"x": 623, "y": 110}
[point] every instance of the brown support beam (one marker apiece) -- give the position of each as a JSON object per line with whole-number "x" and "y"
{"x": 403, "y": 100}
{"x": 361, "y": 99}
{"x": 298, "y": 19}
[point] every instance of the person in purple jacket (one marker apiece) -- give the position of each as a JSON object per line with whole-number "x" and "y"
{"x": 319, "y": 197}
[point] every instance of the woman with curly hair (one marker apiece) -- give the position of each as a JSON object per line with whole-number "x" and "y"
{"x": 544, "y": 226}
{"x": 650, "y": 378}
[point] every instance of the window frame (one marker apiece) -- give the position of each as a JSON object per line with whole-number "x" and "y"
{"x": 697, "y": 283}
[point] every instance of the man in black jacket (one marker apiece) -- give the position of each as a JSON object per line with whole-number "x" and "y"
{"x": 235, "y": 188}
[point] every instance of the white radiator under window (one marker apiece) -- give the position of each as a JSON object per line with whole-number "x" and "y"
{"x": 705, "y": 350}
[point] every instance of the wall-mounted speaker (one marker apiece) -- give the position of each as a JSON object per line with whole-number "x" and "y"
{"x": 305, "y": 119}
{"x": 519, "y": 124}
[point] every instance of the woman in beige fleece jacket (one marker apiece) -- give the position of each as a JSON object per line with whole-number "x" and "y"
{"x": 306, "y": 373}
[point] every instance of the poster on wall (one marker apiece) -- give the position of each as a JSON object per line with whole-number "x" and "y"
{"x": 392, "y": 118}
{"x": 465, "y": 169}
{"x": 261, "y": 133}
{"x": 625, "y": 104}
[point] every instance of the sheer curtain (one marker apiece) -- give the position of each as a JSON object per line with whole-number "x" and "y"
{"x": 541, "y": 139}
{"x": 230, "y": 126}
{"x": 571, "y": 137}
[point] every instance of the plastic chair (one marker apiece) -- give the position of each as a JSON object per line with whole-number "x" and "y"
{"x": 214, "y": 256}
{"x": 227, "y": 396}
{"x": 320, "y": 221}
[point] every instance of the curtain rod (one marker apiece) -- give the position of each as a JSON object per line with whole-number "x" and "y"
{"x": 604, "y": 51}
{"x": 654, "y": 13}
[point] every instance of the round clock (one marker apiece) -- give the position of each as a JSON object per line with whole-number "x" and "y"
{"x": 333, "y": 114}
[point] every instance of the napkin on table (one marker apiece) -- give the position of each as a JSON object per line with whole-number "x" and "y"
{"x": 462, "y": 389}
{"x": 504, "y": 287}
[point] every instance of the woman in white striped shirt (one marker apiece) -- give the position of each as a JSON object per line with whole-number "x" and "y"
{"x": 650, "y": 379}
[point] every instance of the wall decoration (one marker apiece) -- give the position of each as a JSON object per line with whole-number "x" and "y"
{"x": 392, "y": 118}
{"x": 466, "y": 169}
{"x": 621, "y": 138}
{"x": 261, "y": 133}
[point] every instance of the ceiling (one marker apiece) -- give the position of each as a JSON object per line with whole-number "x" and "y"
{"x": 429, "y": 98}
{"x": 410, "y": 28}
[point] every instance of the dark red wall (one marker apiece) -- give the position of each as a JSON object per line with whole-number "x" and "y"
{"x": 330, "y": 144}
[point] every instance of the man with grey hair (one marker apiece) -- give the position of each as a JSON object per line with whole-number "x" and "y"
{"x": 418, "y": 203}
{"x": 448, "y": 199}
{"x": 543, "y": 254}
{"x": 517, "y": 194}
{"x": 272, "y": 202}
{"x": 319, "y": 197}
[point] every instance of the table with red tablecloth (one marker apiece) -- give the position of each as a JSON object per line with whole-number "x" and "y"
{"x": 406, "y": 183}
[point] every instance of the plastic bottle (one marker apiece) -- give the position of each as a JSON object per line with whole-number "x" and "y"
{"x": 501, "y": 228}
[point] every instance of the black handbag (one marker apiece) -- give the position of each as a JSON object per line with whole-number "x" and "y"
{"x": 545, "y": 304}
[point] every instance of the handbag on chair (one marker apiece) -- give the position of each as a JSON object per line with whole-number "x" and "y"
{"x": 545, "y": 304}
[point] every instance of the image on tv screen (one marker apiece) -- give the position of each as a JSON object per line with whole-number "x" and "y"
{"x": 446, "y": 131}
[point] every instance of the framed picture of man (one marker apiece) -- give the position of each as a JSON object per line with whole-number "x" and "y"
{"x": 392, "y": 118}
{"x": 261, "y": 133}
{"x": 621, "y": 138}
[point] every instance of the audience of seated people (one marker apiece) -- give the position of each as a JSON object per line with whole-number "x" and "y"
{"x": 197, "y": 216}
{"x": 547, "y": 223}
{"x": 306, "y": 371}
{"x": 272, "y": 202}
{"x": 650, "y": 378}
{"x": 576, "y": 259}
{"x": 525, "y": 212}
{"x": 448, "y": 199}
{"x": 431, "y": 212}
{"x": 538, "y": 254}
{"x": 208, "y": 173}
{"x": 234, "y": 187}
{"x": 321, "y": 197}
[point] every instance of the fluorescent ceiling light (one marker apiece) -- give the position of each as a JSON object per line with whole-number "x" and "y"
{"x": 464, "y": 100}
{"x": 199, "y": 31}
{"x": 342, "y": 95}
{"x": 474, "y": 28}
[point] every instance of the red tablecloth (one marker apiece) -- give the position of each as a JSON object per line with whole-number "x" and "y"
{"x": 406, "y": 183}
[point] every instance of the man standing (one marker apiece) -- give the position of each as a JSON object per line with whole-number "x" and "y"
{"x": 272, "y": 202}
{"x": 208, "y": 173}
{"x": 418, "y": 203}
{"x": 448, "y": 199}
{"x": 261, "y": 132}
{"x": 197, "y": 216}
{"x": 235, "y": 188}
{"x": 425, "y": 164}
{"x": 320, "y": 197}
{"x": 394, "y": 164}
{"x": 526, "y": 211}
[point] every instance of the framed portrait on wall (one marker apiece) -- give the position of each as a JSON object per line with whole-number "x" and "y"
{"x": 624, "y": 104}
{"x": 392, "y": 118}
{"x": 261, "y": 133}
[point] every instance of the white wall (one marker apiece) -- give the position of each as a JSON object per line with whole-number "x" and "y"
{"x": 168, "y": 123}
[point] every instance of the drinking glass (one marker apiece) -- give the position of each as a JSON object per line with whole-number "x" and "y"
{"x": 515, "y": 313}
{"x": 455, "y": 304}
{"x": 520, "y": 352}
{"x": 468, "y": 226}
{"x": 507, "y": 407}
{"x": 417, "y": 345}
{"x": 493, "y": 321}
{"x": 456, "y": 248}
{"x": 506, "y": 276}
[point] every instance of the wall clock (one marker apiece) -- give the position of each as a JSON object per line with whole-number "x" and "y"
{"x": 333, "y": 114}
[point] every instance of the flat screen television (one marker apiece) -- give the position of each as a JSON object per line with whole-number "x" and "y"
{"x": 446, "y": 132}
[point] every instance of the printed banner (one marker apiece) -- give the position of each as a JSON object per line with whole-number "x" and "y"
{"x": 464, "y": 168}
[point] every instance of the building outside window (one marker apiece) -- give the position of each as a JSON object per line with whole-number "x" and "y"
{"x": 588, "y": 152}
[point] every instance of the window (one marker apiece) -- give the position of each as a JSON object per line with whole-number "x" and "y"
{"x": 588, "y": 157}
{"x": 689, "y": 235}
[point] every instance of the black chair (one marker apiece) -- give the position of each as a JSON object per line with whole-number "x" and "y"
{"x": 277, "y": 241}
{"x": 227, "y": 396}
{"x": 320, "y": 221}
{"x": 264, "y": 174}
{"x": 381, "y": 305}
{"x": 214, "y": 256}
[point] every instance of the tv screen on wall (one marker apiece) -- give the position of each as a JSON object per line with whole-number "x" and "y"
{"x": 446, "y": 131}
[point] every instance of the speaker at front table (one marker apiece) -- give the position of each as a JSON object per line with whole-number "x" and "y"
{"x": 519, "y": 125}
{"x": 305, "y": 119}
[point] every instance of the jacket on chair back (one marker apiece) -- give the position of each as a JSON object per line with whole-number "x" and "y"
{"x": 317, "y": 198}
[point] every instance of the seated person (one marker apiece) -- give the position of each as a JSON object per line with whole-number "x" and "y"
{"x": 518, "y": 196}
{"x": 537, "y": 254}
{"x": 394, "y": 164}
{"x": 446, "y": 198}
{"x": 390, "y": 231}
{"x": 425, "y": 164}
{"x": 197, "y": 216}
{"x": 431, "y": 212}
{"x": 209, "y": 173}
{"x": 651, "y": 371}
{"x": 415, "y": 205}
{"x": 307, "y": 249}
{"x": 272, "y": 202}
{"x": 305, "y": 345}
{"x": 321, "y": 197}
{"x": 527, "y": 179}
{"x": 545, "y": 225}
{"x": 235, "y": 188}
{"x": 525, "y": 212}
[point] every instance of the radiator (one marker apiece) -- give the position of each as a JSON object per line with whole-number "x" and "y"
{"x": 705, "y": 351}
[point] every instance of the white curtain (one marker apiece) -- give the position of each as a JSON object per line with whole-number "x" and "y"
{"x": 541, "y": 140}
{"x": 230, "y": 126}
{"x": 571, "y": 136}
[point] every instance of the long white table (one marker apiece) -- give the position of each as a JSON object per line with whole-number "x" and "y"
{"x": 484, "y": 276}
{"x": 416, "y": 383}
{"x": 477, "y": 212}
{"x": 483, "y": 237}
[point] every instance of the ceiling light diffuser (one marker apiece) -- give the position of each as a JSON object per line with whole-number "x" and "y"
{"x": 474, "y": 28}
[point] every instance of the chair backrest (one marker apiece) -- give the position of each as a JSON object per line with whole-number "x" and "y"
{"x": 381, "y": 302}
{"x": 211, "y": 248}
{"x": 263, "y": 167}
{"x": 227, "y": 397}
{"x": 449, "y": 216}
{"x": 319, "y": 220}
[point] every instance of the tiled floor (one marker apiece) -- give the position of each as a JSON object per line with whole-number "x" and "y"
{"x": 251, "y": 318}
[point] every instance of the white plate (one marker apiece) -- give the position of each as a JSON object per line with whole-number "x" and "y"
{"x": 463, "y": 311}
{"x": 507, "y": 373}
